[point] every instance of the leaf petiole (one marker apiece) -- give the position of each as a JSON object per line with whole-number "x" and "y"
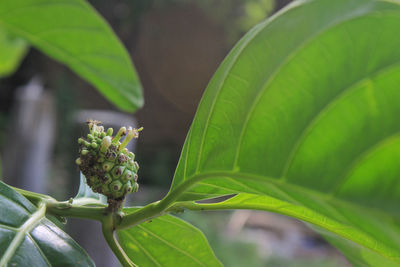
{"x": 33, "y": 197}
{"x": 65, "y": 209}
{"x": 108, "y": 228}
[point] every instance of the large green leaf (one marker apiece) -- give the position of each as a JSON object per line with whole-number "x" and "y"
{"x": 73, "y": 33}
{"x": 167, "y": 241}
{"x": 349, "y": 229}
{"x": 12, "y": 51}
{"x": 27, "y": 238}
{"x": 305, "y": 109}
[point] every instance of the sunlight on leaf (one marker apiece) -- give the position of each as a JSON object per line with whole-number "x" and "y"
{"x": 167, "y": 241}
{"x": 12, "y": 51}
{"x": 305, "y": 110}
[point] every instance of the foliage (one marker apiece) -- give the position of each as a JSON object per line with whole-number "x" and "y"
{"x": 27, "y": 236}
{"x": 299, "y": 119}
{"x": 164, "y": 240}
{"x": 73, "y": 33}
{"x": 12, "y": 52}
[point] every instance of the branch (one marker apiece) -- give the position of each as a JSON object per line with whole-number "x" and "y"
{"x": 112, "y": 241}
{"x": 65, "y": 209}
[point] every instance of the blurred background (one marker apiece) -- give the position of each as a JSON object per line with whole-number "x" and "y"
{"x": 176, "y": 46}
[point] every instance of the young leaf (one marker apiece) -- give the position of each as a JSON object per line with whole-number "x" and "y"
{"x": 12, "y": 51}
{"x": 86, "y": 196}
{"x": 27, "y": 238}
{"x": 305, "y": 109}
{"x": 166, "y": 241}
{"x": 74, "y": 34}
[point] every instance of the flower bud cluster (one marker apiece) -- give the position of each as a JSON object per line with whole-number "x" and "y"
{"x": 109, "y": 167}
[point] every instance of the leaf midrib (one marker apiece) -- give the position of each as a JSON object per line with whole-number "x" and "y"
{"x": 270, "y": 78}
{"x": 25, "y": 228}
{"x": 194, "y": 179}
{"x": 384, "y": 250}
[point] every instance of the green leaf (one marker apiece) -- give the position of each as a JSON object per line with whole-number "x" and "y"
{"x": 356, "y": 254}
{"x": 12, "y": 51}
{"x": 86, "y": 196}
{"x": 344, "y": 230}
{"x": 73, "y": 33}
{"x": 27, "y": 238}
{"x": 305, "y": 109}
{"x": 166, "y": 241}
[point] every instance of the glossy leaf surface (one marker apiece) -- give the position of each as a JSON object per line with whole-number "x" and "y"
{"x": 12, "y": 51}
{"x": 73, "y": 33}
{"x": 305, "y": 110}
{"x": 167, "y": 241}
{"x": 27, "y": 238}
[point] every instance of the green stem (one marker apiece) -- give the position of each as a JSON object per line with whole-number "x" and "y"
{"x": 65, "y": 209}
{"x": 108, "y": 229}
{"x": 158, "y": 208}
{"x": 144, "y": 214}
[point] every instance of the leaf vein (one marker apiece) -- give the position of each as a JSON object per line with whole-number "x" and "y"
{"x": 324, "y": 110}
{"x": 39, "y": 249}
{"x": 146, "y": 252}
{"x": 273, "y": 76}
{"x": 172, "y": 245}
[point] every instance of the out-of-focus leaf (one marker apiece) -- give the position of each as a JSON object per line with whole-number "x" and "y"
{"x": 167, "y": 241}
{"x": 355, "y": 253}
{"x": 73, "y": 33}
{"x": 12, "y": 51}
{"x": 27, "y": 238}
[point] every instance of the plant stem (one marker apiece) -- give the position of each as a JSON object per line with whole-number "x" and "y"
{"x": 102, "y": 214}
{"x": 65, "y": 210}
{"x": 158, "y": 208}
{"x": 144, "y": 214}
{"x": 112, "y": 241}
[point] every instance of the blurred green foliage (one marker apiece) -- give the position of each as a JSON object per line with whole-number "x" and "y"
{"x": 74, "y": 34}
{"x": 234, "y": 251}
{"x": 12, "y": 51}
